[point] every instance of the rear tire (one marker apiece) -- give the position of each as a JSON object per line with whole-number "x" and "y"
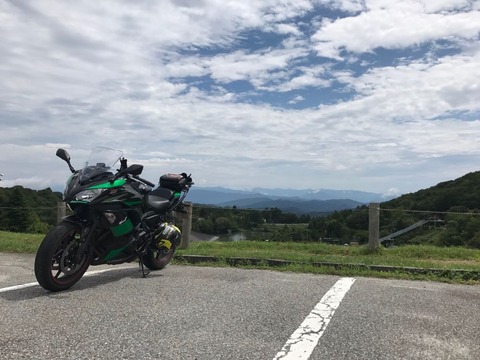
{"x": 58, "y": 265}
{"x": 158, "y": 259}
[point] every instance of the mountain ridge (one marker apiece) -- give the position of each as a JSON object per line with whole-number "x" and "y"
{"x": 216, "y": 195}
{"x": 291, "y": 200}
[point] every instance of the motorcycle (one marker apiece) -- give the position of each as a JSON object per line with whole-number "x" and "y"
{"x": 117, "y": 217}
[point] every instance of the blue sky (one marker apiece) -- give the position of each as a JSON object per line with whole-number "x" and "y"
{"x": 377, "y": 95}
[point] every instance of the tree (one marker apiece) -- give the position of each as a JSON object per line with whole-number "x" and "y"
{"x": 334, "y": 228}
{"x": 358, "y": 220}
{"x": 474, "y": 242}
{"x": 223, "y": 225}
{"x": 203, "y": 226}
{"x": 20, "y": 218}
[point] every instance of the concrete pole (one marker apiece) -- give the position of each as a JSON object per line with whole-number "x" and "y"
{"x": 186, "y": 225}
{"x": 373, "y": 225}
{"x": 61, "y": 211}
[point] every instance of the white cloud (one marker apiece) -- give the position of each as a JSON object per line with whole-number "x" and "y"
{"x": 310, "y": 77}
{"x": 419, "y": 89}
{"x": 254, "y": 67}
{"x": 158, "y": 81}
{"x": 288, "y": 29}
{"x": 296, "y": 99}
{"x": 393, "y": 25}
{"x": 391, "y": 192}
{"x": 350, "y": 6}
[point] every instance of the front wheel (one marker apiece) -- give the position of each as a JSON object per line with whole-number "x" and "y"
{"x": 159, "y": 258}
{"x": 60, "y": 260}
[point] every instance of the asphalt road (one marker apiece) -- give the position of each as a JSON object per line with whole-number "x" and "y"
{"x": 188, "y": 312}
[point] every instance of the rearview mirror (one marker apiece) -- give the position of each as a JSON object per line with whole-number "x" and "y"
{"x": 63, "y": 154}
{"x": 135, "y": 169}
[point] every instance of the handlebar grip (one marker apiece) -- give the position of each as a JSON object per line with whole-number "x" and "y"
{"x": 146, "y": 182}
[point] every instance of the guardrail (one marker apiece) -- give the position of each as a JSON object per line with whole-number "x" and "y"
{"x": 374, "y": 209}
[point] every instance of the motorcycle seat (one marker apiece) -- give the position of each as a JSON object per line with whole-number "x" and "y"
{"x": 159, "y": 199}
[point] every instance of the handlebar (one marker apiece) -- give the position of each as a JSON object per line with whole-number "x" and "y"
{"x": 144, "y": 181}
{"x": 187, "y": 181}
{"x": 132, "y": 172}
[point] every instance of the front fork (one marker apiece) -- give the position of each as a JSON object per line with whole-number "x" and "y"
{"x": 86, "y": 235}
{"x": 85, "y": 240}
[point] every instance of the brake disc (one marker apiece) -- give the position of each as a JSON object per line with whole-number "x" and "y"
{"x": 67, "y": 262}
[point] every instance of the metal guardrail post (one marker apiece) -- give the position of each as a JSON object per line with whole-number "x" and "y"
{"x": 186, "y": 225}
{"x": 373, "y": 225}
{"x": 61, "y": 211}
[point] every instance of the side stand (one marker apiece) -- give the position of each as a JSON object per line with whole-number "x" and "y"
{"x": 142, "y": 268}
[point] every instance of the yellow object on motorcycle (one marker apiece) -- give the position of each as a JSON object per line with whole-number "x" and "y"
{"x": 169, "y": 234}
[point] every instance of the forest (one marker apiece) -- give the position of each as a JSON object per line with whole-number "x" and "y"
{"x": 450, "y": 210}
{"x": 27, "y": 210}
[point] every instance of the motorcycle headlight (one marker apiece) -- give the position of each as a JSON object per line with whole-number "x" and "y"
{"x": 88, "y": 195}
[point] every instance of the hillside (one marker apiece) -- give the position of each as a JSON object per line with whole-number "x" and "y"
{"x": 449, "y": 207}
{"x": 463, "y": 192}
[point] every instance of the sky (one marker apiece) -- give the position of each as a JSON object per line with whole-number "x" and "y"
{"x": 370, "y": 95}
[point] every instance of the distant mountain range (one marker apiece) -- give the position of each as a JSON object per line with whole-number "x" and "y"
{"x": 289, "y": 200}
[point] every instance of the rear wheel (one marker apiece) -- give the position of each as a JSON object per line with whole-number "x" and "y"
{"x": 60, "y": 262}
{"x": 159, "y": 258}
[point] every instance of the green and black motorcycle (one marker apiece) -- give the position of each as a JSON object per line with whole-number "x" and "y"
{"x": 117, "y": 217}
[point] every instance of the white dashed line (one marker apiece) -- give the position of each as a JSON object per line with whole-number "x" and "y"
{"x": 302, "y": 342}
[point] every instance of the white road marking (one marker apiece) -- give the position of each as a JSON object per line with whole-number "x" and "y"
{"x": 17, "y": 287}
{"x": 88, "y": 273}
{"x": 303, "y": 341}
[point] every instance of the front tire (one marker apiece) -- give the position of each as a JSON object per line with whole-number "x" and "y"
{"x": 58, "y": 265}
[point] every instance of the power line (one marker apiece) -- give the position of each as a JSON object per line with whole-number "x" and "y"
{"x": 31, "y": 208}
{"x": 432, "y": 212}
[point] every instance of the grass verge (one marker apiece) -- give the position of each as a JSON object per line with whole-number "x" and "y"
{"x": 19, "y": 243}
{"x": 419, "y": 262}
{"x": 422, "y": 262}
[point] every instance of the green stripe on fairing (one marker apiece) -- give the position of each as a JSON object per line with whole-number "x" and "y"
{"x": 112, "y": 254}
{"x": 109, "y": 185}
{"x": 123, "y": 228}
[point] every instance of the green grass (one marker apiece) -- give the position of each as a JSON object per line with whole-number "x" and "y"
{"x": 410, "y": 255}
{"x": 20, "y": 243}
{"x": 308, "y": 257}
